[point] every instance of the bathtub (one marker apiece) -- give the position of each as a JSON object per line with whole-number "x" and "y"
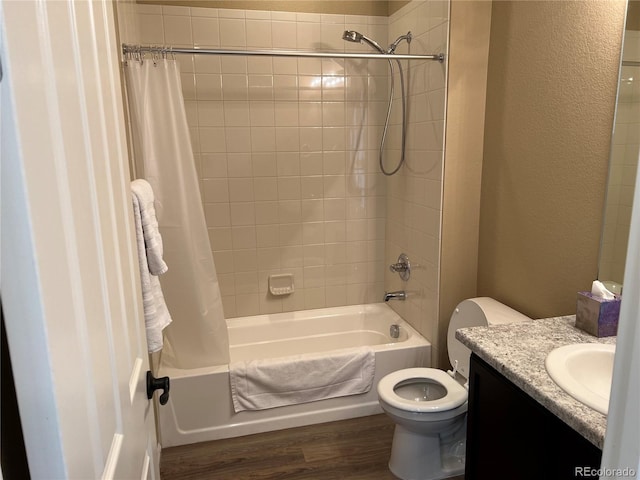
{"x": 200, "y": 406}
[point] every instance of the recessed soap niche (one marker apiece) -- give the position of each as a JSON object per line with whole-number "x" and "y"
{"x": 281, "y": 284}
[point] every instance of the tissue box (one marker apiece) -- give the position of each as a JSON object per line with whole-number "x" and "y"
{"x": 597, "y": 316}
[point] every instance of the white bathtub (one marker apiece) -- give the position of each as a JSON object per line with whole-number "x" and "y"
{"x": 200, "y": 407}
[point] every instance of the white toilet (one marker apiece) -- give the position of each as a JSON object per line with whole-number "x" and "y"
{"x": 429, "y": 406}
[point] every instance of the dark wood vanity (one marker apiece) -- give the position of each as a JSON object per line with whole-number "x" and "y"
{"x": 512, "y": 436}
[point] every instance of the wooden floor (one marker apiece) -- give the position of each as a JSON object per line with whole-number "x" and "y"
{"x": 355, "y": 449}
{"x": 350, "y": 449}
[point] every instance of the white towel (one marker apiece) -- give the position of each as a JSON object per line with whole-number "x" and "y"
{"x": 149, "y": 242}
{"x": 261, "y": 384}
{"x": 152, "y": 238}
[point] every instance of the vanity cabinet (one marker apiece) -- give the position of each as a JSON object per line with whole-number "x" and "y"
{"x": 511, "y": 436}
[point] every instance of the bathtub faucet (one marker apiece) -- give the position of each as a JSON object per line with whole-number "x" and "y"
{"x": 399, "y": 295}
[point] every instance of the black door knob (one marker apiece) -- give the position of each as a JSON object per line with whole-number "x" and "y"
{"x": 156, "y": 384}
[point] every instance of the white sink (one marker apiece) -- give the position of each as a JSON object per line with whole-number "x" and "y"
{"x": 584, "y": 371}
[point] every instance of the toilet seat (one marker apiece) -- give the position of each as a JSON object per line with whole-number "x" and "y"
{"x": 456, "y": 394}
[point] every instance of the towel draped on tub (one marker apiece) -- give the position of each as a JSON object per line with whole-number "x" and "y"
{"x": 262, "y": 384}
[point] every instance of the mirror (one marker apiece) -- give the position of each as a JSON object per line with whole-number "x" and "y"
{"x": 623, "y": 162}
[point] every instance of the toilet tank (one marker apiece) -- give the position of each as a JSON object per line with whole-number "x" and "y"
{"x": 476, "y": 312}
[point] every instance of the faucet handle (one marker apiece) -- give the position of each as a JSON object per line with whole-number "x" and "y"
{"x": 402, "y": 267}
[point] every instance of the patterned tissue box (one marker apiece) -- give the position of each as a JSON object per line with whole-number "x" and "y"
{"x": 597, "y": 316}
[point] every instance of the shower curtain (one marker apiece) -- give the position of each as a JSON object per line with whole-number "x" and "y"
{"x": 164, "y": 157}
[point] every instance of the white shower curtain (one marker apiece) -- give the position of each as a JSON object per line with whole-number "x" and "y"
{"x": 163, "y": 156}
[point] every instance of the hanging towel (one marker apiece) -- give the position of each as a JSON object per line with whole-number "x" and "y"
{"x": 152, "y": 238}
{"x": 261, "y": 384}
{"x": 149, "y": 242}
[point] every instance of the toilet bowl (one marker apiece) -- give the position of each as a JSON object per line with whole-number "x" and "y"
{"x": 429, "y": 405}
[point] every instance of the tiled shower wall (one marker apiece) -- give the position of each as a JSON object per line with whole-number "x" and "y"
{"x": 414, "y": 195}
{"x": 288, "y": 180}
{"x": 287, "y": 154}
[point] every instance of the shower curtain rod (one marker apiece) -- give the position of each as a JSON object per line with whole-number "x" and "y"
{"x": 277, "y": 53}
{"x": 630, "y": 63}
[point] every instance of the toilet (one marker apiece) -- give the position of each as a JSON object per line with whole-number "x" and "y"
{"x": 429, "y": 406}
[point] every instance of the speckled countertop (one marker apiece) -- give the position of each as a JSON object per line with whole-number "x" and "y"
{"x": 518, "y": 351}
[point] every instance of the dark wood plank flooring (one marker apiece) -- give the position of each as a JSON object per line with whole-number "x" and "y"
{"x": 355, "y": 449}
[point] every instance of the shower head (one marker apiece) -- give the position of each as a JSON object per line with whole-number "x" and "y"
{"x": 352, "y": 36}
{"x": 357, "y": 37}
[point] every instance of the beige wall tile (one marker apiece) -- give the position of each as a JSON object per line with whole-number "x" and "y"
{"x": 287, "y": 187}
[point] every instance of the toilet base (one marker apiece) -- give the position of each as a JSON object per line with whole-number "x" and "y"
{"x": 417, "y": 456}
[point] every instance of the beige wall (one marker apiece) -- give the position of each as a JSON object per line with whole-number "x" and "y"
{"x": 349, "y": 7}
{"x": 467, "y": 85}
{"x": 550, "y": 101}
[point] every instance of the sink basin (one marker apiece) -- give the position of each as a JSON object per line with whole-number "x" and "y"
{"x": 584, "y": 371}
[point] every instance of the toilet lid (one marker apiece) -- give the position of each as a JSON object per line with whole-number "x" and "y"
{"x": 389, "y": 386}
{"x": 467, "y": 313}
{"x": 475, "y": 312}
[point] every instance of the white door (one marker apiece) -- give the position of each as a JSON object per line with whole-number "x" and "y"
{"x": 69, "y": 281}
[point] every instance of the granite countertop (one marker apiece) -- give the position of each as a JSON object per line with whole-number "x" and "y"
{"x": 518, "y": 351}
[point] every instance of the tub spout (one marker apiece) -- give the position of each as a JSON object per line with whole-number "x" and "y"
{"x": 399, "y": 295}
